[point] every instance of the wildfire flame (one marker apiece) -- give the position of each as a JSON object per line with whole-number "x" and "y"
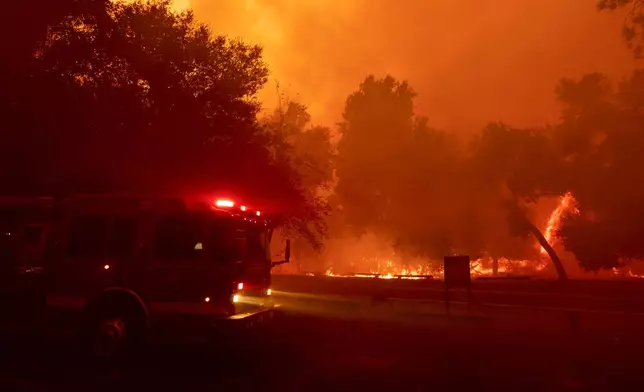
{"x": 426, "y": 272}
{"x": 566, "y": 205}
{"x": 389, "y": 269}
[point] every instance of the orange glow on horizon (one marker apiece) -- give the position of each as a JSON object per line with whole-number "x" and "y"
{"x": 433, "y": 44}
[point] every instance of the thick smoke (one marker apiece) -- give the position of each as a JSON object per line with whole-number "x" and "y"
{"x": 471, "y": 61}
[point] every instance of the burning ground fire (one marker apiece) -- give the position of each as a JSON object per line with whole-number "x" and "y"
{"x": 389, "y": 269}
{"x": 392, "y": 271}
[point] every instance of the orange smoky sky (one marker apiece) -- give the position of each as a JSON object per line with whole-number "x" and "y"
{"x": 470, "y": 61}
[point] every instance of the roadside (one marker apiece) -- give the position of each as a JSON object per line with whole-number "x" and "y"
{"x": 300, "y": 351}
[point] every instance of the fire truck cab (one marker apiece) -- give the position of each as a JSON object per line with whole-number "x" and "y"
{"x": 128, "y": 262}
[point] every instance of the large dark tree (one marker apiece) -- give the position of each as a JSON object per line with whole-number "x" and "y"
{"x": 512, "y": 169}
{"x": 603, "y": 137}
{"x": 595, "y": 153}
{"x": 377, "y": 125}
{"x": 424, "y": 189}
{"x": 129, "y": 96}
{"x": 399, "y": 178}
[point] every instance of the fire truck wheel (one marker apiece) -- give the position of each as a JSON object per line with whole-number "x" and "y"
{"x": 112, "y": 330}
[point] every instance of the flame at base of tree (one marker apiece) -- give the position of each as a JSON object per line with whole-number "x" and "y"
{"x": 389, "y": 268}
{"x": 567, "y": 205}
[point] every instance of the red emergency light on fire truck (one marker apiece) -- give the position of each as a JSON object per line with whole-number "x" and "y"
{"x": 231, "y": 206}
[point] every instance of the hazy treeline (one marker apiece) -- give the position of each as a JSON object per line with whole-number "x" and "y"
{"x": 103, "y": 96}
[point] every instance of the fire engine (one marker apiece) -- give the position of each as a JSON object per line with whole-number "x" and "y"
{"x": 127, "y": 263}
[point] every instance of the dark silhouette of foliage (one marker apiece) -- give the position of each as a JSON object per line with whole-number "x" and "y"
{"x": 513, "y": 168}
{"x": 377, "y": 124}
{"x": 634, "y": 23}
{"x": 423, "y": 188}
{"x": 606, "y": 179}
{"x": 309, "y": 151}
{"x": 130, "y": 96}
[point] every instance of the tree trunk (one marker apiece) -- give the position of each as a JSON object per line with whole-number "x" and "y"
{"x": 495, "y": 266}
{"x": 561, "y": 272}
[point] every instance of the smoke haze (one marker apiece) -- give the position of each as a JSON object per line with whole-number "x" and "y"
{"x": 471, "y": 61}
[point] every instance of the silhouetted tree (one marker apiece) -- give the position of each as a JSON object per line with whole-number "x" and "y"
{"x": 377, "y": 124}
{"x": 308, "y": 147}
{"x": 602, "y": 135}
{"x": 309, "y": 151}
{"x": 634, "y": 24}
{"x": 27, "y": 22}
{"x": 132, "y": 96}
{"x": 424, "y": 189}
{"x": 427, "y": 200}
{"x": 397, "y": 176}
{"x": 514, "y": 168}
